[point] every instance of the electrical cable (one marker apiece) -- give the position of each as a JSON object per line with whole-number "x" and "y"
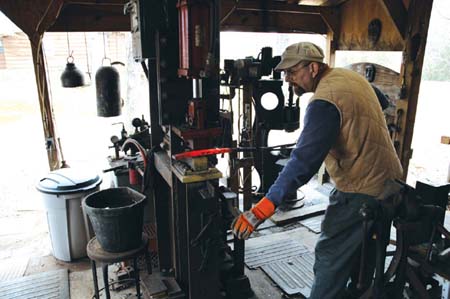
{"x": 143, "y": 154}
{"x": 138, "y": 146}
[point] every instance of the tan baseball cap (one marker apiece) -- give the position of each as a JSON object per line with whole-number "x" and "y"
{"x": 303, "y": 51}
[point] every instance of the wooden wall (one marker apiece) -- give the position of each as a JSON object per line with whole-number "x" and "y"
{"x": 17, "y": 50}
{"x": 355, "y": 18}
{"x": 2, "y": 54}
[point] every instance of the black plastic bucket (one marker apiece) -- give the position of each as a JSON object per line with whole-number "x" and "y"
{"x": 117, "y": 217}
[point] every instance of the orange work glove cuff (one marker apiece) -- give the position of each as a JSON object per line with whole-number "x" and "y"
{"x": 263, "y": 209}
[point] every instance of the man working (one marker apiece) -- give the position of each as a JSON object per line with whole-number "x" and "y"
{"x": 345, "y": 127}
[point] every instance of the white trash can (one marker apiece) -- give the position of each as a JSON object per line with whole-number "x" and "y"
{"x": 62, "y": 191}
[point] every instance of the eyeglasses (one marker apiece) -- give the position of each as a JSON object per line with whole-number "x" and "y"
{"x": 293, "y": 70}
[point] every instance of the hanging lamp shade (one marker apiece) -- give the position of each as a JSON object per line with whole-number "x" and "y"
{"x": 107, "y": 83}
{"x": 71, "y": 76}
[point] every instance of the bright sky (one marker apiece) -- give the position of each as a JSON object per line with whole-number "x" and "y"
{"x": 6, "y": 26}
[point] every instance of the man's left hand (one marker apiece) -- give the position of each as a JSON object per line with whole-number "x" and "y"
{"x": 244, "y": 224}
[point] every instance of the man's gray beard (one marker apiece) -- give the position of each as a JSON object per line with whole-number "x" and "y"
{"x": 298, "y": 91}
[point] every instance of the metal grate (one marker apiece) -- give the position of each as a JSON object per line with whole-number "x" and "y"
{"x": 257, "y": 255}
{"x": 47, "y": 285}
{"x": 294, "y": 275}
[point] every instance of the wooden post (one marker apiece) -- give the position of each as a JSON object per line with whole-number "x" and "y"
{"x": 419, "y": 13}
{"x": 330, "y": 50}
{"x": 34, "y": 18}
{"x": 48, "y": 122}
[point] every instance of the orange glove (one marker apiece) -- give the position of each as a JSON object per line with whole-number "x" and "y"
{"x": 244, "y": 224}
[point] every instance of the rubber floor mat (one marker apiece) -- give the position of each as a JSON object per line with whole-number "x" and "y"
{"x": 294, "y": 275}
{"x": 257, "y": 255}
{"x": 313, "y": 224}
{"x": 12, "y": 268}
{"x": 47, "y": 285}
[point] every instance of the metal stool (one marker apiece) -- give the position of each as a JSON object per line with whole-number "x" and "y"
{"x": 96, "y": 253}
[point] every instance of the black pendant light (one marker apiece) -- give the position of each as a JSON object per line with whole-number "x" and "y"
{"x": 71, "y": 76}
{"x": 107, "y": 85}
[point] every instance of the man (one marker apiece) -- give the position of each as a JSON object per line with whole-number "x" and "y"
{"x": 345, "y": 127}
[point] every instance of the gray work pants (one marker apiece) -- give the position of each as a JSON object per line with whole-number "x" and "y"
{"x": 339, "y": 243}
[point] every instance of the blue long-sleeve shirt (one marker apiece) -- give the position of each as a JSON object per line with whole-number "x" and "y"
{"x": 321, "y": 128}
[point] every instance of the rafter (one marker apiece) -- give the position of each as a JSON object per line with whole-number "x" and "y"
{"x": 87, "y": 17}
{"x": 396, "y": 9}
{"x": 253, "y": 22}
{"x": 329, "y": 15}
{"x": 97, "y": 2}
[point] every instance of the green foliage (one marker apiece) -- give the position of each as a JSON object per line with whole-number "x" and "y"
{"x": 436, "y": 65}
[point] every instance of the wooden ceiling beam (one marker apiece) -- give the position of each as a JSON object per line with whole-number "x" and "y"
{"x": 280, "y": 22}
{"x": 91, "y": 24}
{"x": 33, "y": 17}
{"x": 333, "y": 20}
{"x": 92, "y": 10}
{"x": 396, "y": 9}
{"x": 329, "y": 15}
{"x": 87, "y": 17}
{"x": 321, "y": 2}
{"x": 278, "y": 7}
{"x": 97, "y": 2}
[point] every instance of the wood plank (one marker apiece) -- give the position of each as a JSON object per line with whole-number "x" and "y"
{"x": 247, "y": 21}
{"x": 91, "y": 10}
{"x": 91, "y": 18}
{"x": 333, "y": 21}
{"x": 33, "y": 17}
{"x": 47, "y": 115}
{"x": 329, "y": 15}
{"x": 97, "y": 2}
{"x": 355, "y": 18}
{"x": 320, "y": 2}
{"x": 279, "y": 7}
{"x": 285, "y": 217}
{"x": 398, "y": 13}
{"x": 91, "y": 24}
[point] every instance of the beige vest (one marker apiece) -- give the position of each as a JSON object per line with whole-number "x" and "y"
{"x": 363, "y": 156}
